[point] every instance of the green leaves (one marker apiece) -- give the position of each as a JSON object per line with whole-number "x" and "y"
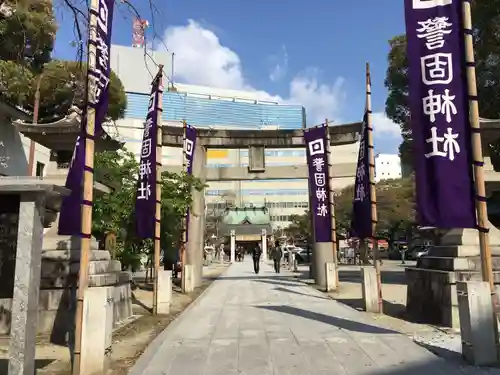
{"x": 28, "y": 34}
{"x": 14, "y": 82}
{"x": 301, "y": 227}
{"x": 27, "y": 38}
{"x": 113, "y": 212}
{"x": 395, "y": 206}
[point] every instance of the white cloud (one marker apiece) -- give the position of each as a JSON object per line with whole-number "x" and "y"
{"x": 201, "y": 59}
{"x": 280, "y": 65}
{"x": 382, "y": 125}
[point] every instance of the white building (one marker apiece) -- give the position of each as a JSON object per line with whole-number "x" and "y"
{"x": 15, "y": 147}
{"x": 220, "y": 108}
{"x": 387, "y": 167}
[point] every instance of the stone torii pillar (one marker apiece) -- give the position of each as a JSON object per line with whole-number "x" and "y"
{"x": 264, "y": 245}
{"x": 232, "y": 249}
{"x": 196, "y": 225}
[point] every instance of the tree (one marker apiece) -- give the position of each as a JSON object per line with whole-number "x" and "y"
{"x": 27, "y": 32}
{"x": 63, "y": 85}
{"x": 301, "y": 227}
{"x": 114, "y": 212}
{"x": 176, "y": 199}
{"x": 27, "y": 41}
{"x": 111, "y": 212}
{"x": 395, "y": 208}
{"x": 486, "y": 23}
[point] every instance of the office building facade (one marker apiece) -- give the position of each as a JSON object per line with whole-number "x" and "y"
{"x": 218, "y": 108}
{"x": 387, "y": 167}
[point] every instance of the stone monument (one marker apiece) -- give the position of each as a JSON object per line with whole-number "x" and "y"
{"x": 23, "y": 204}
{"x": 61, "y": 254}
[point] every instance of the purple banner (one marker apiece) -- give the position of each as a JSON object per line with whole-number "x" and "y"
{"x": 188, "y": 150}
{"x": 145, "y": 200}
{"x": 439, "y": 114}
{"x": 97, "y": 98}
{"x": 361, "y": 222}
{"x": 317, "y": 162}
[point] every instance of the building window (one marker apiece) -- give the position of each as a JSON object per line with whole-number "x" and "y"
{"x": 39, "y": 169}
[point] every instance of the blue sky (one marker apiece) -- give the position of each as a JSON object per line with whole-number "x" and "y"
{"x": 312, "y": 52}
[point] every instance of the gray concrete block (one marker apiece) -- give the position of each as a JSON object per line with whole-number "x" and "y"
{"x": 73, "y": 255}
{"x": 331, "y": 276}
{"x": 322, "y": 254}
{"x": 95, "y": 330}
{"x": 70, "y": 243}
{"x": 164, "y": 292}
{"x": 478, "y": 323}
{"x": 369, "y": 289}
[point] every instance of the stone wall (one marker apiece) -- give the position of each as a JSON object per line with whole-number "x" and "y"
{"x": 57, "y": 300}
{"x": 432, "y": 292}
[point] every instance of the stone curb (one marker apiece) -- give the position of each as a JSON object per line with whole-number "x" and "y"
{"x": 145, "y": 359}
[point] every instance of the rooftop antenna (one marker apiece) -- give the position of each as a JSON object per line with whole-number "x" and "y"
{"x": 172, "y": 87}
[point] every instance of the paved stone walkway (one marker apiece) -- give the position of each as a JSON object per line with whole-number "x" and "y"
{"x": 267, "y": 324}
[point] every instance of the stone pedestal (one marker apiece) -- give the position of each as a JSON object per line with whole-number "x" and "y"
{"x": 478, "y": 324}
{"x": 97, "y": 329}
{"x": 369, "y": 289}
{"x": 59, "y": 280}
{"x": 322, "y": 254}
{"x": 187, "y": 279}
{"x": 60, "y": 263}
{"x": 164, "y": 291}
{"x": 432, "y": 291}
{"x": 331, "y": 276}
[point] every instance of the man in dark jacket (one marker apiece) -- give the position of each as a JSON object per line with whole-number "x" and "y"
{"x": 277, "y": 255}
{"x": 256, "y": 253}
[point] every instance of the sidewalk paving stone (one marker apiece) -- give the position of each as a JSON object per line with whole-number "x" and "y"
{"x": 270, "y": 324}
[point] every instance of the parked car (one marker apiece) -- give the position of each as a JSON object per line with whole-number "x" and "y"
{"x": 302, "y": 255}
{"x": 419, "y": 251}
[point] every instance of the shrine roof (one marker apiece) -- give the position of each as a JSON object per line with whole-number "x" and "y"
{"x": 61, "y": 135}
{"x": 247, "y": 216}
{"x": 12, "y": 111}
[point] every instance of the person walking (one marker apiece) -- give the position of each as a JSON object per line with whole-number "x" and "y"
{"x": 277, "y": 255}
{"x": 256, "y": 254}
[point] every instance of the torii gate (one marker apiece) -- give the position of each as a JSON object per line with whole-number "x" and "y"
{"x": 255, "y": 141}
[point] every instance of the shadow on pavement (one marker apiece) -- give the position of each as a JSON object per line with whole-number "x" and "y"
{"x": 395, "y": 310}
{"x": 334, "y": 321}
{"x": 388, "y": 277}
{"x": 437, "y": 366}
{"x": 136, "y": 301}
{"x": 448, "y": 355}
{"x": 300, "y": 294}
{"x": 282, "y": 282}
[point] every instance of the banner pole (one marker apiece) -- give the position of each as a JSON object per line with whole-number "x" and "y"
{"x": 87, "y": 197}
{"x": 477, "y": 152}
{"x": 332, "y": 203}
{"x": 373, "y": 192}
{"x": 159, "y": 154}
{"x": 184, "y": 220}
